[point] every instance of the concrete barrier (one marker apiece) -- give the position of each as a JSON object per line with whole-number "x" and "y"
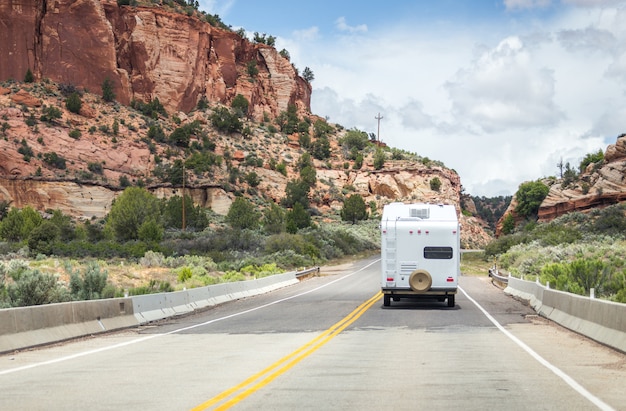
{"x": 24, "y": 327}
{"x": 152, "y": 307}
{"x": 42, "y": 324}
{"x": 600, "y": 320}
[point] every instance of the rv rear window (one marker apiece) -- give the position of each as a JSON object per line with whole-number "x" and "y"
{"x": 438, "y": 253}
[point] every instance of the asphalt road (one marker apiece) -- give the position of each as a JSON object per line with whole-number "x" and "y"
{"x": 327, "y": 344}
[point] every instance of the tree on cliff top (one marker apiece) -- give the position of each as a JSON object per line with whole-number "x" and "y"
{"x": 529, "y": 197}
{"x": 307, "y": 75}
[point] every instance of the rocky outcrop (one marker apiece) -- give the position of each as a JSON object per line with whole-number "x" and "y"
{"x": 147, "y": 52}
{"x": 600, "y": 185}
{"x": 87, "y": 201}
{"x": 154, "y": 52}
{"x": 97, "y": 161}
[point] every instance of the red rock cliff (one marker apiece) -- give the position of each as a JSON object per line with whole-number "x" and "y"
{"x": 146, "y": 52}
{"x": 600, "y": 185}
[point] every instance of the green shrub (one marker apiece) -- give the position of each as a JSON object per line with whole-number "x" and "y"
{"x": 42, "y": 237}
{"x": 73, "y": 103}
{"x": 184, "y": 274}
{"x": 50, "y": 114}
{"x": 354, "y": 139}
{"x": 28, "y": 77}
{"x": 36, "y": 288}
{"x": 240, "y": 104}
{"x": 297, "y": 218}
{"x": 232, "y": 276}
{"x": 152, "y": 287}
{"x": 379, "y": 159}
{"x": 590, "y": 158}
{"x": 90, "y": 284}
{"x": 95, "y": 167}
{"x": 54, "y": 160}
{"x": 75, "y": 134}
{"x": 151, "y": 109}
{"x": 320, "y": 149}
{"x": 252, "y": 68}
{"x": 508, "y": 224}
{"x": 108, "y": 94}
{"x": 435, "y": 184}
{"x": 225, "y": 121}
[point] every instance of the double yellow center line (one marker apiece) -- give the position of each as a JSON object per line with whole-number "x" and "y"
{"x": 257, "y": 381}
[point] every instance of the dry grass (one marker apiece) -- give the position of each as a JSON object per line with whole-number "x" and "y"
{"x": 121, "y": 274}
{"x": 474, "y": 264}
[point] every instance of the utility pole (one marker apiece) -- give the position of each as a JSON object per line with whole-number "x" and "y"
{"x": 378, "y": 117}
{"x": 183, "y": 202}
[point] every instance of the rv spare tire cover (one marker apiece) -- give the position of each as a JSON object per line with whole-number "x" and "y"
{"x": 420, "y": 280}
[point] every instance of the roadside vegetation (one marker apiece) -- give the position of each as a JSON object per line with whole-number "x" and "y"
{"x": 575, "y": 252}
{"x": 140, "y": 247}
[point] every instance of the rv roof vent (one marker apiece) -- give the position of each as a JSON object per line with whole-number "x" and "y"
{"x": 419, "y": 212}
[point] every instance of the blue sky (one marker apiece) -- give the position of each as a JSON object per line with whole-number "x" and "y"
{"x": 498, "y": 90}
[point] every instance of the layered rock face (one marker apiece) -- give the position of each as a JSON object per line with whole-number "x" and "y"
{"x": 152, "y": 53}
{"x": 147, "y": 53}
{"x": 598, "y": 186}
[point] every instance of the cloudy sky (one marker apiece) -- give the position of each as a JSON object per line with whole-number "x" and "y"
{"x": 498, "y": 90}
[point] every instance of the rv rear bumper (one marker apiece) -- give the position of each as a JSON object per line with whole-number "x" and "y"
{"x": 408, "y": 291}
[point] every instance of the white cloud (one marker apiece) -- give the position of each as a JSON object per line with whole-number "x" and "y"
{"x": 589, "y": 39}
{"x": 342, "y": 25}
{"x": 526, "y": 4}
{"x": 594, "y": 3}
{"x": 504, "y": 89}
{"x": 219, "y": 7}
{"x": 309, "y": 34}
{"x": 348, "y": 112}
{"x": 413, "y": 116}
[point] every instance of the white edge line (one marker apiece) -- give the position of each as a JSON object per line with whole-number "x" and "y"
{"x": 569, "y": 380}
{"x": 150, "y": 337}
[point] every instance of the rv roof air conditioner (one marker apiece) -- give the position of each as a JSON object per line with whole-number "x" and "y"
{"x": 423, "y": 213}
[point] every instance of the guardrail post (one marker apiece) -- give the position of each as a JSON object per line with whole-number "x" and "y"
{"x": 592, "y": 293}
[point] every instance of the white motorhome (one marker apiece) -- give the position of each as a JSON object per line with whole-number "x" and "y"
{"x": 420, "y": 252}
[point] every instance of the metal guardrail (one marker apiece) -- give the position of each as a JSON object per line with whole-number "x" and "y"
{"x": 495, "y": 274}
{"x": 309, "y": 271}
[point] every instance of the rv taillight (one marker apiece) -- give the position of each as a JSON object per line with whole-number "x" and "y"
{"x": 453, "y": 231}
{"x": 450, "y": 279}
{"x": 389, "y": 278}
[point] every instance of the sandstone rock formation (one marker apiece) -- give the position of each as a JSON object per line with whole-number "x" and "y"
{"x": 153, "y": 52}
{"x": 146, "y": 52}
{"x": 598, "y": 186}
